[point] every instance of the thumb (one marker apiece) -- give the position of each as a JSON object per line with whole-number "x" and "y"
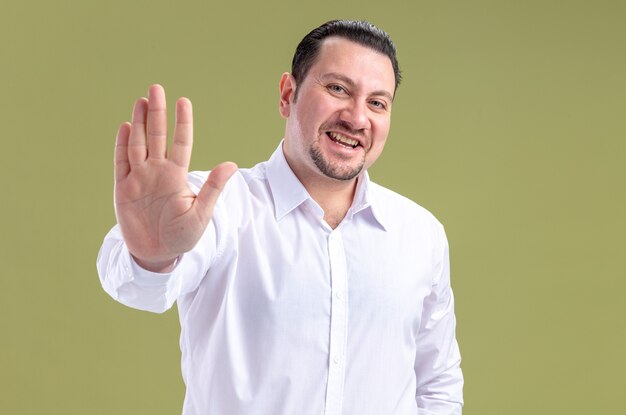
{"x": 210, "y": 191}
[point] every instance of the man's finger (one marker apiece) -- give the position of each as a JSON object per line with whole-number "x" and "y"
{"x": 157, "y": 123}
{"x": 137, "y": 150}
{"x": 183, "y": 134}
{"x": 212, "y": 188}
{"x": 122, "y": 166}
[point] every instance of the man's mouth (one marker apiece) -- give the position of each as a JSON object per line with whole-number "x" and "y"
{"x": 342, "y": 139}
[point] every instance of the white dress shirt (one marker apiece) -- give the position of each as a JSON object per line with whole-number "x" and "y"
{"x": 282, "y": 315}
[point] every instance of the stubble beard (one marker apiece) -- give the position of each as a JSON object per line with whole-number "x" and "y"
{"x": 335, "y": 170}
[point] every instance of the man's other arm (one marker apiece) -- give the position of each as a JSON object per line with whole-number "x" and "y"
{"x": 437, "y": 364}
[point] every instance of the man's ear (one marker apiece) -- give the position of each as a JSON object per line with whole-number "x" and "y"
{"x": 287, "y": 89}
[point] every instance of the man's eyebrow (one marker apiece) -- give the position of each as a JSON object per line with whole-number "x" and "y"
{"x": 351, "y": 83}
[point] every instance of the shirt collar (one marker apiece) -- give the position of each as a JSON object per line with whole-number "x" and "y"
{"x": 364, "y": 200}
{"x": 289, "y": 193}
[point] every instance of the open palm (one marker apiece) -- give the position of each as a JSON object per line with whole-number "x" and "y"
{"x": 159, "y": 215}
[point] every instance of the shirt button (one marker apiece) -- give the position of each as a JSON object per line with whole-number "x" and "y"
{"x": 339, "y": 295}
{"x": 336, "y": 360}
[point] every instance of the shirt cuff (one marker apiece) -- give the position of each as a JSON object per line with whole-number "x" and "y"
{"x": 146, "y": 278}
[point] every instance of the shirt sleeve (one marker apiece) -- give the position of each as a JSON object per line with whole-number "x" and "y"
{"x": 438, "y": 360}
{"x": 124, "y": 280}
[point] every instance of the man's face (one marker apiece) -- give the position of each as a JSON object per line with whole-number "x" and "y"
{"x": 340, "y": 121}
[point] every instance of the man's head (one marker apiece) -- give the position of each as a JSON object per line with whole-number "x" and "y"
{"x": 361, "y": 32}
{"x": 338, "y": 124}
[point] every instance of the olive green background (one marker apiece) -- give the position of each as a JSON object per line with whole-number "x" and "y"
{"x": 509, "y": 126}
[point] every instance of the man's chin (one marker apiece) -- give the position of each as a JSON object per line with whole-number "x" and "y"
{"x": 336, "y": 170}
{"x": 343, "y": 173}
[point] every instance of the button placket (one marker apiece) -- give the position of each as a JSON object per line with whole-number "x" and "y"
{"x": 338, "y": 324}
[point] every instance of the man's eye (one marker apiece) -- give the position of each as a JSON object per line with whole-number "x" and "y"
{"x": 336, "y": 89}
{"x": 378, "y": 104}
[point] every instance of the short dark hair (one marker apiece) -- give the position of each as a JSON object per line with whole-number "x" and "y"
{"x": 361, "y": 32}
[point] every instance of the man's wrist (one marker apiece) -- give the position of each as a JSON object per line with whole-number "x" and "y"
{"x": 159, "y": 267}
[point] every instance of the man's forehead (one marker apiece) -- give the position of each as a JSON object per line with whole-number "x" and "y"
{"x": 345, "y": 59}
{"x": 341, "y": 42}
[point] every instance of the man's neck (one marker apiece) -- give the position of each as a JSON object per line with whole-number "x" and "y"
{"x": 334, "y": 197}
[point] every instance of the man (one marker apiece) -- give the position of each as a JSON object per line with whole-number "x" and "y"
{"x": 302, "y": 286}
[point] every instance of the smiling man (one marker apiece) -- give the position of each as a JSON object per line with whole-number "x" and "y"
{"x": 338, "y": 118}
{"x": 302, "y": 286}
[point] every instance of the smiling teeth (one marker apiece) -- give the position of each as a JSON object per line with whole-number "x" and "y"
{"x": 343, "y": 139}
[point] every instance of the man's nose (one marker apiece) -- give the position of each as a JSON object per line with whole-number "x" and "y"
{"x": 356, "y": 114}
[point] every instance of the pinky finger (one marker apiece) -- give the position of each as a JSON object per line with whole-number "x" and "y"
{"x": 122, "y": 166}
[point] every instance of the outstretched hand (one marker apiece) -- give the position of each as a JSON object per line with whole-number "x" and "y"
{"x": 159, "y": 215}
